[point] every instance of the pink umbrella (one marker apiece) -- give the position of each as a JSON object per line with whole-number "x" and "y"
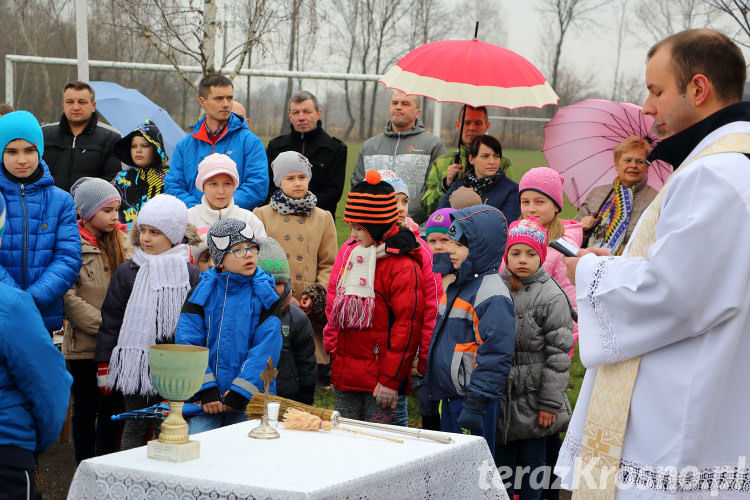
{"x": 579, "y": 139}
{"x": 470, "y": 72}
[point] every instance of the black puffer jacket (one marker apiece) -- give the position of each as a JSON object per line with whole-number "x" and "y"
{"x": 89, "y": 154}
{"x": 298, "y": 369}
{"x": 328, "y": 157}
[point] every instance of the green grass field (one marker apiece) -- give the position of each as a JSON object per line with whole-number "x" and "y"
{"x": 521, "y": 162}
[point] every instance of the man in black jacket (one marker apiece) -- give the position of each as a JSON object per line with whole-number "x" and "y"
{"x": 78, "y": 146}
{"x": 327, "y": 154}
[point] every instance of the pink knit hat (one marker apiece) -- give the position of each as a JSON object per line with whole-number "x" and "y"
{"x": 529, "y": 232}
{"x": 546, "y": 181}
{"x": 215, "y": 164}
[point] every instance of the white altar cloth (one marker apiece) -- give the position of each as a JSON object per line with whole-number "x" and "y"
{"x": 299, "y": 465}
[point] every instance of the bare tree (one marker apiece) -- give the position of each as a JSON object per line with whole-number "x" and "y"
{"x": 738, "y": 10}
{"x": 564, "y": 15}
{"x": 344, "y": 23}
{"x": 185, "y": 31}
{"x": 658, "y": 20}
{"x": 621, "y": 14}
{"x": 380, "y": 15}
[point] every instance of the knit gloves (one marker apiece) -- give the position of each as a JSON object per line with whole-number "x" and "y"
{"x": 102, "y": 374}
{"x": 385, "y": 397}
{"x": 317, "y": 295}
{"x": 471, "y": 417}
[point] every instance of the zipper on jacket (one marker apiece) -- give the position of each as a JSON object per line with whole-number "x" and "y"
{"x": 218, "y": 339}
{"x": 25, "y": 234}
{"x": 302, "y": 138}
{"x": 376, "y": 351}
{"x": 395, "y": 152}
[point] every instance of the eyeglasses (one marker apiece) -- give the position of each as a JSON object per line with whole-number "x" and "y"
{"x": 243, "y": 252}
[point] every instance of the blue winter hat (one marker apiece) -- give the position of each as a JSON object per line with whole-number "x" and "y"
{"x": 21, "y": 125}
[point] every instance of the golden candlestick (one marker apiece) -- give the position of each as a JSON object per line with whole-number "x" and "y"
{"x": 264, "y": 430}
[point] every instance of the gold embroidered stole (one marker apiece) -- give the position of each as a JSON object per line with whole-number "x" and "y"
{"x": 607, "y": 416}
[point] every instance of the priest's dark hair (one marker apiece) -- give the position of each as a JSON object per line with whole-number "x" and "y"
{"x": 709, "y": 53}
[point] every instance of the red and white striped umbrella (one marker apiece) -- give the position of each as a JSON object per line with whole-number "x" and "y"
{"x": 470, "y": 72}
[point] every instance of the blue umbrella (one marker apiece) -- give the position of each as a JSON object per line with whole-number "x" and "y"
{"x": 125, "y": 109}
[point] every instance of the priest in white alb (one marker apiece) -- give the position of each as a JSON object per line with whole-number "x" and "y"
{"x": 664, "y": 410}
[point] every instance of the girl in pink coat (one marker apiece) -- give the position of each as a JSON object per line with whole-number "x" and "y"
{"x": 541, "y": 193}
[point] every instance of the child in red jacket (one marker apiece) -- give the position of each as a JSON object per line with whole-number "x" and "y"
{"x": 375, "y": 316}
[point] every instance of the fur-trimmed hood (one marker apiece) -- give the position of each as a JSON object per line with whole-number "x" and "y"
{"x": 191, "y": 235}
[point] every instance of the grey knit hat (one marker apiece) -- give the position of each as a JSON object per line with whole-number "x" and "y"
{"x": 166, "y": 213}
{"x": 272, "y": 259}
{"x": 90, "y": 194}
{"x": 225, "y": 233}
{"x": 288, "y": 162}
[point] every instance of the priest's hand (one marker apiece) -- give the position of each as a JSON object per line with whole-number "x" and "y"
{"x": 572, "y": 262}
{"x": 546, "y": 418}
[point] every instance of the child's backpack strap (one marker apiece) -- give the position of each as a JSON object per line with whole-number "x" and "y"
{"x": 191, "y": 308}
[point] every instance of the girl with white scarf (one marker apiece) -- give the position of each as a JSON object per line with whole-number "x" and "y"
{"x": 142, "y": 306}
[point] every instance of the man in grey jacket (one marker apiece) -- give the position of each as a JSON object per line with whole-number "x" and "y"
{"x": 405, "y": 147}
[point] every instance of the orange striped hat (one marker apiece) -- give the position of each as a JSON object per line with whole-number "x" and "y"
{"x": 372, "y": 204}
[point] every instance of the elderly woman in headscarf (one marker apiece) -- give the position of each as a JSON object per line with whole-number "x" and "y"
{"x": 610, "y": 213}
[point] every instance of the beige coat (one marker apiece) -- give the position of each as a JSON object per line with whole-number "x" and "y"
{"x": 642, "y": 196}
{"x": 310, "y": 244}
{"x": 83, "y": 302}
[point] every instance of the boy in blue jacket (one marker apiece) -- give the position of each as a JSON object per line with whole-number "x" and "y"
{"x": 42, "y": 250}
{"x": 34, "y": 388}
{"x": 472, "y": 347}
{"x": 233, "y": 311}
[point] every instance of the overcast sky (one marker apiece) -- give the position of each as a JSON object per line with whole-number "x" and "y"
{"x": 589, "y": 50}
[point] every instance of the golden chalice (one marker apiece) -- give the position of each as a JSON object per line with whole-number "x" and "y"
{"x": 176, "y": 373}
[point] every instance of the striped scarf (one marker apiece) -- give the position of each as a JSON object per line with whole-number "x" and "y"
{"x": 615, "y": 214}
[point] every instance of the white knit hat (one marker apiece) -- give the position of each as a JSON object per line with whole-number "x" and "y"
{"x": 167, "y": 214}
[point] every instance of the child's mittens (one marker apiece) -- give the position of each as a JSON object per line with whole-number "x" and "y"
{"x": 102, "y": 374}
{"x": 317, "y": 296}
{"x": 385, "y": 397}
{"x": 472, "y": 416}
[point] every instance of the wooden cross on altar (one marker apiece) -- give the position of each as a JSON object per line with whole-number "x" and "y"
{"x": 268, "y": 375}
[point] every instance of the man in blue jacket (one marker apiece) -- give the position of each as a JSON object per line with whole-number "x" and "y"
{"x": 221, "y": 131}
{"x": 34, "y": 388}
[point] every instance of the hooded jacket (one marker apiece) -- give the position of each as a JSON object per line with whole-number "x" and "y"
{"x": 472, "y": 346}
{"x": 41, "y": 250}
{"x": 539, "y": 376}
{"x": 237, "y": 318}
{"x": 240, "y": 144}
{"x": 137, "y": 185}
{"x": 34, "y": 385}
{"x": 409, "y": 154}
{"x": 384, "y": 352}
{"x": 327, "y": 155}
{"x": 89, "y": 154}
